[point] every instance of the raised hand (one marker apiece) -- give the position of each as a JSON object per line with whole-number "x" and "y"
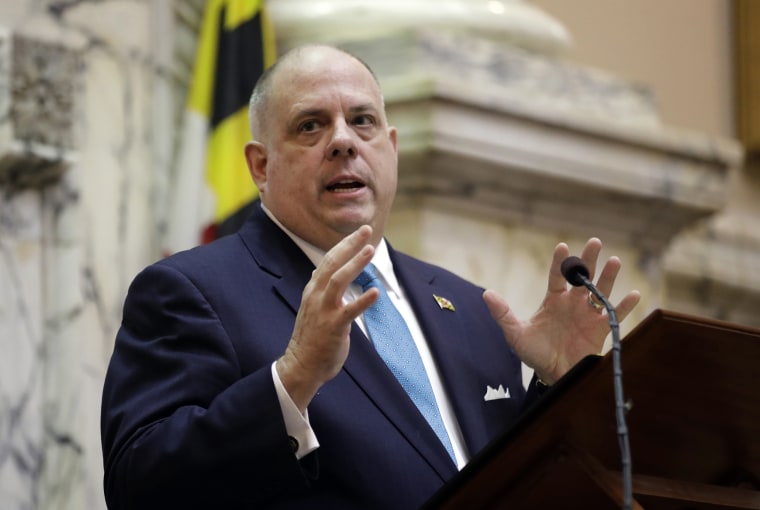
{"x": 566, "y": 327}
{"x": 319, "y": 344}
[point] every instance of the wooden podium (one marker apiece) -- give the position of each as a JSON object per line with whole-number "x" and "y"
{"x": 694, "y": 429}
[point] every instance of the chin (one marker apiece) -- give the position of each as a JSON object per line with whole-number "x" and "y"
{"x": 348, "y": 221}
{"x": 349, "y": 228}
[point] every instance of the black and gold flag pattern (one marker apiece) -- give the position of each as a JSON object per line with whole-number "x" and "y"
{"x": 235, "y": 45}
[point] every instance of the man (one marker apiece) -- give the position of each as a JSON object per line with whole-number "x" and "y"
{"x": 242, "y": 376}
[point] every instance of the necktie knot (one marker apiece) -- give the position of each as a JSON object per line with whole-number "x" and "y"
{"x": 366, "y": 277}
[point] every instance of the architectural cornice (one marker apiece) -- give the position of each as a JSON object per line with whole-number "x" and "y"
{"x": 484, "y": 141}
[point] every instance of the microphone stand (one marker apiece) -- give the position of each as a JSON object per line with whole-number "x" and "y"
{"x": 620, "y": 406}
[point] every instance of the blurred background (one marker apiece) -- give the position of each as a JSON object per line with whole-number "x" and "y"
{"x": 521, "y": 124}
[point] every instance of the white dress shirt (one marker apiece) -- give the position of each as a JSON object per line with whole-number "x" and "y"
{"x": 298, "y": 425}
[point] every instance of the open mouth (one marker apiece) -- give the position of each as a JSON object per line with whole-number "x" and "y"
{"x": 345, "y": 186}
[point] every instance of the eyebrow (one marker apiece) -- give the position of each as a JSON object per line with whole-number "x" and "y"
{"x": 362, "y": 108}
{"x": 309, "y": 112}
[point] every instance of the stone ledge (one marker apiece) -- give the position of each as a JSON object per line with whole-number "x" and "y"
{"x": 552, "y": 175}
{"x": 30, "y": 167}
{"x": 485, "y": 141}
{"x": 712, "y": 272}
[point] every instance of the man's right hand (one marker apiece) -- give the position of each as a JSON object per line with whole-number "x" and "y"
{"x": 319, "y": 344}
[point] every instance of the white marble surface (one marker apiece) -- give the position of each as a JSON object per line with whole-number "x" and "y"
{"x": 21, "y": 374}
{"x": 71, "y": 245}
{"x": 514, "y": 21}
{"x": 66, "y": 410}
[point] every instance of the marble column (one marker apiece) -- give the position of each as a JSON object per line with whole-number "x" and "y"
{"x": 40, "y": 414}
{"x": 86, "y": 111}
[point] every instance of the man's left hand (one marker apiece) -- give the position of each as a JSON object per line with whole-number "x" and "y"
{"x": 566, "y": 328}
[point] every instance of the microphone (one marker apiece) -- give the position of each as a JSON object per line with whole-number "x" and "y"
{"x": 577, "y": 274}
{"x": 574, "y": 271}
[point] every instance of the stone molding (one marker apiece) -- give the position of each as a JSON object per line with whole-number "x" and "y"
{"x": 537, "y": 141}
{"x": 714, "y": 272}
{"x": 513, "y": 21}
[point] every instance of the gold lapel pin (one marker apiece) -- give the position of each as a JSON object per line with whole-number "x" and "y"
{"x": 444, "y": 303}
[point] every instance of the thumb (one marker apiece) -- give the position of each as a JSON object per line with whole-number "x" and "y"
{"x": 503, "y": 315}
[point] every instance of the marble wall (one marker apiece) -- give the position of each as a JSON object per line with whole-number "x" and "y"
{"x": 506, "y": 150}
{"x": 82, "y": 159}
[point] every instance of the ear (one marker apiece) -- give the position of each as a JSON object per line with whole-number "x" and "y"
{"x": 256, "y": 158}
{"x": 393, "y": 136}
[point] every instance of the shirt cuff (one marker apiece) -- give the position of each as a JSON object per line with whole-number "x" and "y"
{"x": 302, "y": 437}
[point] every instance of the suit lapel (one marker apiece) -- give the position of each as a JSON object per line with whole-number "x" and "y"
{"x": 370, "y": 372}
{"x": 275, "y": 253}
{"x": 454, "y": 354}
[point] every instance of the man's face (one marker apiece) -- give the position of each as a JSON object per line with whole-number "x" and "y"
{"x": 327, "y": 161}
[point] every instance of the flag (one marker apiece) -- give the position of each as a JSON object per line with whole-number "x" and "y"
{"x": 211, "y": 183}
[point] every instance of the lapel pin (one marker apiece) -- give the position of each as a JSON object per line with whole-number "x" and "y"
{"x": 443, "y": 303}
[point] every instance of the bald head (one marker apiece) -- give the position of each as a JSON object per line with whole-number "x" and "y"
{"x": 297, "y": 59}
{"x": 323, "y": 157}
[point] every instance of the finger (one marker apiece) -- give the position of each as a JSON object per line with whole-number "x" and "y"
{"x": 590, "y": 255}
{"x": 608, "y": 275}
{"x": 557, "y": 282}
{"x": 627, "y": 304}
{"x": 357, "y": 307}
{"x": 347, "y": 273}
{"x": 342, "y": 252}
{"x": 343, "y": 263}
{"x": 502, "y": 314}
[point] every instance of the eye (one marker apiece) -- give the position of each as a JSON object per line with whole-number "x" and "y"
{"x": 364, "y": 120}
{"x": 308, "y": 126}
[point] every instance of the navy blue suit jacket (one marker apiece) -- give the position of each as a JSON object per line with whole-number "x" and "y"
{"x": 190, "y": 417}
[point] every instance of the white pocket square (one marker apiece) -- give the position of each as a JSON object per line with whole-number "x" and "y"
{"x": 496, "y": 394}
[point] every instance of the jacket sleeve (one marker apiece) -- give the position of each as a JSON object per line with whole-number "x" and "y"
{"x": 179, "y": 420}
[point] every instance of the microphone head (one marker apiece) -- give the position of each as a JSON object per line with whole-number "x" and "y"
{"x": 574, "y": 271}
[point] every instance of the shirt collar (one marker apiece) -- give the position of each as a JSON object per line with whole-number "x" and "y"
{"x": 381, "y": 259}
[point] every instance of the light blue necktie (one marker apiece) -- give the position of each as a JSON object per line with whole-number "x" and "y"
{"x": 393, "y": 341}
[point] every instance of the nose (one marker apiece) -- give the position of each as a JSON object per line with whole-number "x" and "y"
{"x": 342, "y": 143}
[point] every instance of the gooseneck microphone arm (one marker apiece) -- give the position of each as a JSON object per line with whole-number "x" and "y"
{"x": 576, "y": 272}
